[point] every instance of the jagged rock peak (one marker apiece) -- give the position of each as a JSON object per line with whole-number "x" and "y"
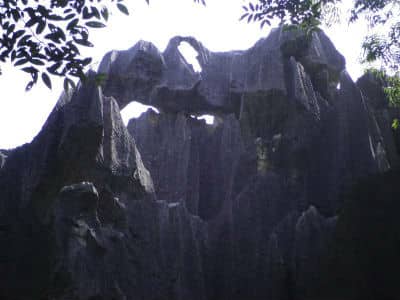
{"x": 166, "y": 80}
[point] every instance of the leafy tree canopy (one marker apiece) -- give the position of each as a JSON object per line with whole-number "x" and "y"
{"x": 309, "y": 14}
{"x": 43, "y": 38}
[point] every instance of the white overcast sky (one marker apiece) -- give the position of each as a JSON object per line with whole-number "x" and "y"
{"x": 217, "y": 26}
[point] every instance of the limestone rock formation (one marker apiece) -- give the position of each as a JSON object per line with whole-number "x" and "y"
{"x": 170, "y": 207}
{"x": 365, "y": 256}
{"x": 382, "y": 114}
{"x": 168, "y": 82}
{"x": 3, "y": 157}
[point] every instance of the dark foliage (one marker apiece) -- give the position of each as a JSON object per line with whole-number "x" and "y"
{"x": 43, "y": 37}
{"x": 310, "y": 13}
{"x": 288, "y": 12}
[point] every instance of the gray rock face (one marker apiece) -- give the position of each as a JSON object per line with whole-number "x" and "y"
{"x": 83, "y": 140}
{"x": 3, "y": 158}
{"x": 170, "y": 207}
{"x": 386, "y": 140}
{"x": 167, "y": 81}
{"x": 193, "y": 163}
{"x": 365, "y": 257}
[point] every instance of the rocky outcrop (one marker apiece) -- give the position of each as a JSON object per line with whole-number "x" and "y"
{"x": 387, "y": 140}
{"x": 83, "y": 140}
{"x": 170, "y": 207}
{"x": 167, "y": 81}
{"x": 364, "y": 257}
{"x": 133, "y": 250}
{"x": 3, "y": 157}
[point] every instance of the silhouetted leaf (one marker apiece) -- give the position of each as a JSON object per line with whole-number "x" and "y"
{"x": 72, "y": 23}
{"x": 53, "y": 36}
{"x": 18, "y": 34}
{"x": 243, "y": 16}
{"x": 46, "y": 80}
{"x": 29, "y": 86}
{"x": 104, "y": 13}
{"x": 95, "y": 24}
{"x": 37, "y": 62}
{"x": 123, "y": 8}
{"x": 82, "y": 42}
{"x": 41, "y": 26}
{"x": 20, "y": 62}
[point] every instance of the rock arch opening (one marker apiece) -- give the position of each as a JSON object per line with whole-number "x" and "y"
{"x": 190, "y": 55}
{"x": 210, "y": 119}
{"x": 134, "y": 109}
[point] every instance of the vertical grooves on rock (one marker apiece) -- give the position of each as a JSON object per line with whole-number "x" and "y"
{"x": 245, "y": 208}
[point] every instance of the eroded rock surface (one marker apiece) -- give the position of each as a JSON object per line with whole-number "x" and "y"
{"x": 170, "y": 207}
{"x": 3, "y": 157}
{"x": 167, "y": 81}
{"x": 387, "y": 140}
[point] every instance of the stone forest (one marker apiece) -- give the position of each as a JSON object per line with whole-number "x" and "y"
{"x": 291, "y": 194}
